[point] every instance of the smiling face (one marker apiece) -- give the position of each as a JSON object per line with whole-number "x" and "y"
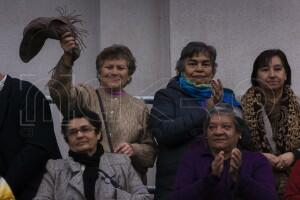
{"x": 272, "y": 77}
{"x": 222, "y": 133}
{"x": 199, "y": 69}
{"x": 114, "y": 74}
{"x": 81, "y": 136}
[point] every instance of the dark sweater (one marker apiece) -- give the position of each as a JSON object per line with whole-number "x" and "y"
{"x": 195, "y": 181}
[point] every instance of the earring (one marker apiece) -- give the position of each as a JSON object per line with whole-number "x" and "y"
{"x": 129, "y": 80}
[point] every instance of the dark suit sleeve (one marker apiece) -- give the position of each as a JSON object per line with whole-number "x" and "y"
{"x": 167, "y": 126}
{"x": 37, "y": 139}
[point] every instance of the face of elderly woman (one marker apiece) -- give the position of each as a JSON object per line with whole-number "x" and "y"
{"x": 221, "y": 133}
{"x": 81, "y": 136}
{"x": 272, "y": 77}
{"x": 114, "y": 74}
{"x": 199, "y": 69}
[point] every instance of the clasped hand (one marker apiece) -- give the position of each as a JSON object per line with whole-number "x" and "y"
{"x": 217, "y": 164}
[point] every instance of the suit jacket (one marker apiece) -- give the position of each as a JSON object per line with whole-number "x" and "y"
{"x": 63, "y": 180}
{"x": 27, "y": 138}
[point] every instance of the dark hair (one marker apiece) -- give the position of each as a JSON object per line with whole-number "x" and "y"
{"x": 239, "y": 123}
{"x": 263, "y": 60}
{"x": 92, "y": 117}
{"x": 116, "y": 51}
{"x": 193, "y": 48}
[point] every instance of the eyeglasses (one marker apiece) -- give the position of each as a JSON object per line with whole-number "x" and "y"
{"x": 82, "y": 129}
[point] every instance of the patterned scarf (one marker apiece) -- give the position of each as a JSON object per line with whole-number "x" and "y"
{"x": 203, "y": 92}
{"x": 288, "y": 136}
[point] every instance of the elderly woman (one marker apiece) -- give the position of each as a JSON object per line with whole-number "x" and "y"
{"x": 88, "y": 172}
{"x": 125, "y": 117}
{"x": 272, "y": 113}
{"x": 179, "y": 109}
{"x": 215, "y": 168}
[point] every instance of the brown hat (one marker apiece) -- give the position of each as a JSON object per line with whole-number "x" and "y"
{"x": 39, "y": 29}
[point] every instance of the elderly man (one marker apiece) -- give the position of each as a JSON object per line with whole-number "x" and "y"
{"x": 27, "y": 137}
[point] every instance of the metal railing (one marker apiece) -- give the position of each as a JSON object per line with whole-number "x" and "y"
{"x": 146, "y": 99}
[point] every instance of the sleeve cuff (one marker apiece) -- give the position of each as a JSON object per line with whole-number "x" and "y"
{"x": 296, "y": 154}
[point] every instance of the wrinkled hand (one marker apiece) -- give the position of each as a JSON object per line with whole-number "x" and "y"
{"x": 273, "y": 160}
{"x": 67, "y": 42}
{"x": 217, "y": 164}
{"x": 125, "y": 148}
{"x": 69, "y": 45}
{"x": 217, "y": 90}
{"x": 235, "y": 163}
{"x": 285, "y": 160}
{"x": 217, "y": 93}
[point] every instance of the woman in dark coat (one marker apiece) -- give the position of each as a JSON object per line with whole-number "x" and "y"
{"x": 179, "y": 110}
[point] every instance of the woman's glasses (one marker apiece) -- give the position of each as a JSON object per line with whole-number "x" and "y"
{"x": 82, "y": 129}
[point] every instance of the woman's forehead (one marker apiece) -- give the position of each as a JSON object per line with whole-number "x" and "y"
{"x": 221, "y": 117}
{"x": 76, "y": 122}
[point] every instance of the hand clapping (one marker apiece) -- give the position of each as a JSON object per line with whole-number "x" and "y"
{"x": 217, "y": 164}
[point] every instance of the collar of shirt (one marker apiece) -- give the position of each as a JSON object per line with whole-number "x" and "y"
{"x": 2, "y": 82}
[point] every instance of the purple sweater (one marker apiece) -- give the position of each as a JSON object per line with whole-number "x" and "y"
{"x": 195, "y": 181}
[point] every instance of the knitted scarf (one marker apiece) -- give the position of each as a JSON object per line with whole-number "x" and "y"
{"x": 203, "y": 92}
{"x": 288, "y": 136}
{"x": 90, "y": 174}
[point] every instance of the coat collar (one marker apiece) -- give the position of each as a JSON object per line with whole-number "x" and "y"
{"x": 77, "y": 171}
{"x": 105, "y": 165}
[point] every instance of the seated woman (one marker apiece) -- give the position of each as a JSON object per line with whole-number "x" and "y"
{"x": 216, "y": 168}
{"x": 292, "y": 189}
{"x": 272, "y": 112}
{"x": 179, "y": 109}
{"x": 88, "y": 172}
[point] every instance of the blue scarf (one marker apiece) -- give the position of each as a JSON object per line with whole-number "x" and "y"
{"x": 203, "y": 92}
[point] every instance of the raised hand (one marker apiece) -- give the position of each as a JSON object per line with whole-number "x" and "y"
{"x": 235, "y": 163}
{"x": 70, "y": 47}
{"x": 217, "y": 93}
{"x": 217, "y": 90}
{"x": 217, "y": 164}
{"x": 67, "y": 42}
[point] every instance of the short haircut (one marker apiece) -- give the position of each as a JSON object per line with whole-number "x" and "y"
{"x": 116, "y": 51}
{"x": 77, "y": 112}
{"x": 194, "y": 48}
{"x": 227, "y": 109}
{"x": 263, "y": 60}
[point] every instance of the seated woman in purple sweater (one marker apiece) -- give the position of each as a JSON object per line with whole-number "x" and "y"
{"x": 216, "y": 168}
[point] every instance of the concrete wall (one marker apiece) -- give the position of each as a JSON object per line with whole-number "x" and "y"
{"x": 240, "y": 30}
{"x": 156, "y": 31}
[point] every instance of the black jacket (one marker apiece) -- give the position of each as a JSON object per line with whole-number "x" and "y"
{"x": 27, "y": 138}
{"x": 176, "y": 119}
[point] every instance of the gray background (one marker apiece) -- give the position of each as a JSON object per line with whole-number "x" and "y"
{"x": 156, "y": 31}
